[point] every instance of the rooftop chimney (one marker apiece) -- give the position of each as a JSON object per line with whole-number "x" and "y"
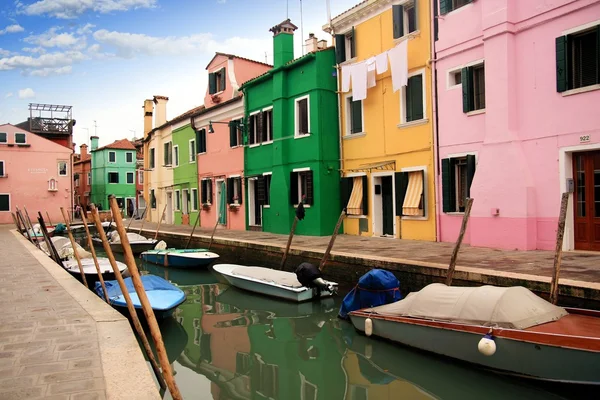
{"x": 310, "y": 44}
{"x": 83, "y": 152}
{"x": 160, "y": 117}
{"x": 283, "y": 43}
{"x": 322, "y": 44}
{"x": 94, "y": 142}
{"x": 148, "y": 110}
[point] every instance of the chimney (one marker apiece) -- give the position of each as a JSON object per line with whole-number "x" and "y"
{"x": 148, "y": 109}
{"x": 83, "y": 152}
{"x": 322, "y": 44}
{"x": 160, "y": 117}
{"x": 283, "y": 43}
{"x": 94, "y": 142}
{"x": 310, "y": 44}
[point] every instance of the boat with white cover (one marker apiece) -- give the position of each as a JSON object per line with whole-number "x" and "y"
{"x": 138, "y": 243}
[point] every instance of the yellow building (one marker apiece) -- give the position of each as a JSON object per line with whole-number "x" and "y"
{"x": 387, "y": 141}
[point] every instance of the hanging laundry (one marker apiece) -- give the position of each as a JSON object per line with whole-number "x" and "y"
{"x": 399, "y": 64}
{"x": 346, "y": 74}
{"x": 381, "y": 61}
{"x": 371, "y": 73}
{"x": 359, "y": 81}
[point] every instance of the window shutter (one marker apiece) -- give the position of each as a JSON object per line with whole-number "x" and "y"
{"x": 416, "y": 97}
{"x": 445, "y": 6}
{"x": 259, "y": 127}
{"x": 401, "y": 179}
{"x": 416, "y": 14}
{"x": 198, "y": 142}
{"x": 2, "y": 168}
{"x": 346, "y": 191}
{"x": 353, "y": 44}
{"x": 210, "y": 190}
{"x": 448, "y": 195}
{"x": 309, "y": 187}
{"x": 365, "y": 196}
{"x": 212, "y": 83}
{"x": 293, "y": 188}
{"x": 251, "y": 129}
{"x": 466, "y": 80}
{"x": 408, "y": 100}
{"x": 229, "y": 190}
{"x": 238, "y": 182}
{"x": 598, "y": 54}
{"x": 203, "y": 138}
{"x": 398, "y": 16}
{"x": 260, "y": 190}
{"x": 223, "y": 78}
{"x": 203, "y": 191}
{"x": 356, "y": 116}
{"x": 303, "y": 115}
{"x": 340, "y": 48}
{"x": 470, "y": 172}
{"x": 270, "y": 116}
{"x": 232, "y": 134}
{"x": 561, "y": 64}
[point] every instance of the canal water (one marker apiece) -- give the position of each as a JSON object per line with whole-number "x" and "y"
{"x": 224, "y": 343}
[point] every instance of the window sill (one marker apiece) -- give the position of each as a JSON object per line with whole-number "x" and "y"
{"x": 23, "y": 145}
{"x": 413, "y": 123}
{"x": 461, "y": 213}
{"x": 354, "y": 135}
{"x": 408, "y": 36}
{"x": 53, "y": 190}
{"x": 192, "y": 162}
{"x": 415, "y": 218}
{"x": 266, "y": 206}
{"x": 297, "y": 136}
{"x": 267, "y": 142}
{"x": 254, "y": 145}
{"x": 476, "y": 112}
{"x": 305, "y": 206}
{"x": 354, "y": 216}
{"x": 349, "y": 61}
{"x": 585, "y": 89}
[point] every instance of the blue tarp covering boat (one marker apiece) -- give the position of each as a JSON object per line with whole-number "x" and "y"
{"x": 164, "y": 297}
{"x": 375, "y": 288}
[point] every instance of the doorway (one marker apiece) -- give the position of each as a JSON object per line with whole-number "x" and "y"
{"x": 169, "y": 212}
{"x": 130, "y": 209}
{"x": 586, "y": 174}
{"x": 254, "y": 207}
{"x": 383, "y": 206}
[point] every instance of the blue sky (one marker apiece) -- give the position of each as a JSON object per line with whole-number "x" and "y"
{"x": 104, "y": 57}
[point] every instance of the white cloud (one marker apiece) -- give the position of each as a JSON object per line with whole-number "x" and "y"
{"x": 86, "y": 29}
{"x": 4, "y": 53}
{"x": 9, "y": 94}
{"x": 221, "y": 1}
{"x": 51, "y": 60}
{"x": 67, "y": 69}
{"x": 54, "y": 38}
{"x": 34, "y": 50}
{"x": 68, "y": 9}
{"x": 26, "y": 93}
{"x": 12, "y": 29}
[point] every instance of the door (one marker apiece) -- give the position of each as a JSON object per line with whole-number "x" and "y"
{"x": 130, "y": 206}
{"x": 387, "y": 205}
{"x": 254, "y": 207}
{"x": 169, "y": 212}
{"x": 586, "y": 167}
{"x": 185, "y": 201}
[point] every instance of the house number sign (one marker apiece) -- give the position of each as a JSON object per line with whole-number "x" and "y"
{"x": 584, "y": 138}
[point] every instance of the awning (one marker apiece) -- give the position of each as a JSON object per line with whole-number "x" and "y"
{"x": 355, "y": 203}
{"x": 412, "y": 200}
{"x": 382, "y": 165}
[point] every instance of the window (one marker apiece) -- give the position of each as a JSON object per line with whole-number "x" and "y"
{"x": 267, "y": 186}
{"x": 176, "y": 156}
{"x": 413, "y": 101}
{"x": 267, "y": 125}
{"x": 234, "y": 190}
{"x": 2, "y": 172}
{"x": 216, "y": 81}
{"x": 355, "y": 195}
{"x": 345, "y": 46}
{"x": 192, "y": 150}
{"x": 201, "y": 141}
{"x": 113, "y": 177}
{"x": 457, "y": 176}
{"x": 194, "y": 199}
{"x": 301, "y": 187}
{"x": 76, "y": 180}
{"x": 130, "y": 178}
{"x": 302, "y": 116}
{"x": 447, "y": 6}
{"x": 578, "y": 59}
{"x": 308, "y": 390}
{"x": 168, "y": 153}
{"x": 354, "y": 121}
{"x": 89, "y": 178}
{"x": 350, "y": 45}
{"x": 4, "y": 202}
{"x": 62, "y": 168}
{"x": 152, "y": 161}
{"x": 140, "y": 176}
{"x": 52, "y": 185}
{"x": 177, "y": 200}
{"x": 185, "y": 201}
{"x": 20, "y": 138}
{"x": 410, "y": 193}
{"x": 473, "y": 88}
{"x": 112, "y": 156}
{"x": 152, "y": 199}
{"x": 254, "y": 128}
{"x": 129, "y": 157}
{"x": 206, "y": 191}
{"x": 3, "y": 137}
{"x": 235, "y": 133}
{"x": 404, "y": 19}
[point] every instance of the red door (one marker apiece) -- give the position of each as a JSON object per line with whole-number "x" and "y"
{"x": 586, "y": 168}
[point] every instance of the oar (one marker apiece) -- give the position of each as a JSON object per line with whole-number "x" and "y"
{"x": 160, "y": 221}
{"x": 127, "y": 297}
{"x": 193, "y": 229}
{"x": 332, "y": 240}
{"x": 93, "y": 251}
{"x": 147, "y": 308}
{"x": 459, "y": 240}
{"x": 73, "y": 243}
{"x": 213, "y": 232}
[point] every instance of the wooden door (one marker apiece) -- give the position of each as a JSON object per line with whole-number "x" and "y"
{"x": 387, "y": 200}
{"x": 586, "y": 170}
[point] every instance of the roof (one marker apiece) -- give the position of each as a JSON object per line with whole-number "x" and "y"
{"x": 234, "y": 56}
{"x": 123, "y": 144}
{"x": 350, "y": 9}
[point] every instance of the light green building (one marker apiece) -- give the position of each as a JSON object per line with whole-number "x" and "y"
{"x": 185, "y": 176}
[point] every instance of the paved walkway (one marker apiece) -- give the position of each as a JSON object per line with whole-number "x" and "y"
{"x": 57, "y": 339}
{"x": 580, "y": 266}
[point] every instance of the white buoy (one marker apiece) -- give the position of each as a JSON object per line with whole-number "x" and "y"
{"x": 368, "y": 327}
{"x": 487, "y": 346}
{"x": 368, "y": 351}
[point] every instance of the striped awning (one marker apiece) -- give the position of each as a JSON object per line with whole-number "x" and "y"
{"x": 412, "y": 200}
{"x": 355, "y": 202}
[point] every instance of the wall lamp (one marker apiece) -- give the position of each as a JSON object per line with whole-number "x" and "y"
{"x": 239, "y": 125}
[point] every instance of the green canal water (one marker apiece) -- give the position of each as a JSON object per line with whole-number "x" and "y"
{"x": 224, "y": 343}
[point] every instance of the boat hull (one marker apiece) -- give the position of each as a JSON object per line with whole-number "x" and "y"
{"x": 136, "y": 248}
{"x": 178, "y": 260}
{"x": 512, "y": 356}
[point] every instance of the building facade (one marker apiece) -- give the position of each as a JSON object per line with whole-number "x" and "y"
{"x": 113, "y": 173}
{"x": 35, "y": 173}
{"x": 517, "y": 87}
{"x": 383, "y": 51}
{"x": 82, "y": 177}
{"x": 139, "y": 178}
{"x": 292, "y": 151}
{"x": 218, "y": 127}
{"x": 185, "y": 175}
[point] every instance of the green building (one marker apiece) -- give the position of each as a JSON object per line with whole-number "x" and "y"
{"x": 113, "y": 173}
{"x": 185, "y": 175}
{"x": 292, "y": 147}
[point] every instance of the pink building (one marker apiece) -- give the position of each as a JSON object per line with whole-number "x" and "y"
{"x": 518, "y": 121}
{"x": 34, "y": 173}
{"x": 220, "y": 160}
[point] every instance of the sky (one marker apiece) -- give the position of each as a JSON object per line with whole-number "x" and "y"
{"x": 104, "y": 57}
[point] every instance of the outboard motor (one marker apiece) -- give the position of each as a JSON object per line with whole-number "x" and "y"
{"x": 310, "y": 276}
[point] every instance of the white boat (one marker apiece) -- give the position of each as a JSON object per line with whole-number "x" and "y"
{"x": 271, "y": 282}
{"x": 138, "y": 243}
{"x": 89, "y": 269}
{"x": 91, "y": 225}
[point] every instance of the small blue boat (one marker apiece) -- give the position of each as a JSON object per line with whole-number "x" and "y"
{"x": 164, "y": 297}
{"x": 180, "y": 258}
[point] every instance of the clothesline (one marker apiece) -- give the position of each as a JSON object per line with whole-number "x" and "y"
{"x": 362, "y": 74}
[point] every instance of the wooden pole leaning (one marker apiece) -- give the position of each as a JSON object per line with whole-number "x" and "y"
{"x": 148, "y": 312}
{"x": 289, "y": 243}
{"x": 160, "y": 221}
{"x": 193, "y": 230}
{"x": 463, "y": 228}
{"x": 333, "y": 237}
{"x": 48, "y": 215}
{"x": 34, "y": 238}
{"x": 15, "y": 221}
{"x": 20, "y": 215}
{"x": 143, "y": 219}
{"x": 74, "y": 245}
{"x": 93, "y": 251}
{"x": 213, "y": 232}
{"x": 560, "y": 232}
{"x": 132, "y": 312}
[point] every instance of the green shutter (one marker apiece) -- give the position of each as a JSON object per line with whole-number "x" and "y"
{"x": 309, "y": 188}
{"x": 293, "y": 188}
{"x": 356, "y": 116}
{"x": 445, "y": 6}
{"x": 466, "y": 79}
{"x": 353, "y": 44}
{"x": 448, "y": 190}
{"x": 212, "y": 83}
{"x": 260, "y": 190}
{"x": 340, "y": 48}
{"x": 561, "y": 64}
{"x": 232, "y": 133}
{"x": 470, "y": 172}
{"x": 223, "y": 78}
{"x": 345, "y": 191}
{"x": 417, "y": 97}
{"x": 229, "y": 190}
{"x": 416, "y": 15}
{"x": 401, "y": 179}
{"x": 598, "y": 54}
{"x": 398, "y": 19}
{"x": 365, "y": 195}
{"x": 238, "y": 182}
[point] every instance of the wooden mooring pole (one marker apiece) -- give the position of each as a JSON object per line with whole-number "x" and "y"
{"x": 147, "y": 308}
{"x": 51, "y": 249}
{"x": 20, "y": 215}
{"x": 289, "y": 243}
{"x": 48, "y": 215}
{"x": 74, "y": 245}
{"x": 459, "y": 240}
{"x": 213, "y": 232}
{"x": 93, "y": 251}
{"x": 32, "y": 230}
{"x": 332, "y": 240}
{"x": 560, "y": 233}
{"x": 193, "y": 230}
{"x": 160, "y": 221}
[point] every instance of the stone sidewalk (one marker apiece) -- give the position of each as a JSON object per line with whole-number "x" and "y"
{"x": 58, "y": 340}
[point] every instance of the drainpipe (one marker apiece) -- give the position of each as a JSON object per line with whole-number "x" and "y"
{"x": 339, "y": 93}
{"x": 436, "y": 138}
{"x": 198, "y": 194}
